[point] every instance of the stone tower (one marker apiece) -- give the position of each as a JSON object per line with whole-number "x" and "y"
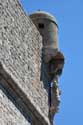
{"x": 26, "y": 73}
{"x": 52, "y": 58}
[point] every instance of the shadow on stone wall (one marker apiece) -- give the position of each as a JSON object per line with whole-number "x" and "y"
{"x": 45, "y": 78}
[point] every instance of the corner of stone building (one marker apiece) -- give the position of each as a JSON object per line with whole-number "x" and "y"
{"x": 21, "y": 85}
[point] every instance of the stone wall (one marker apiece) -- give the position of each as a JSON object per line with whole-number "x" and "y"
{"x": 20, "y": 55}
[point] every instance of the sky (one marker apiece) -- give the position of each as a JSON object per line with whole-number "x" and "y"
{"x": 69, "y": 15}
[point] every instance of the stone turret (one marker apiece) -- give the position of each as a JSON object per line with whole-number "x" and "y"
{"x": 52, "y": 56}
